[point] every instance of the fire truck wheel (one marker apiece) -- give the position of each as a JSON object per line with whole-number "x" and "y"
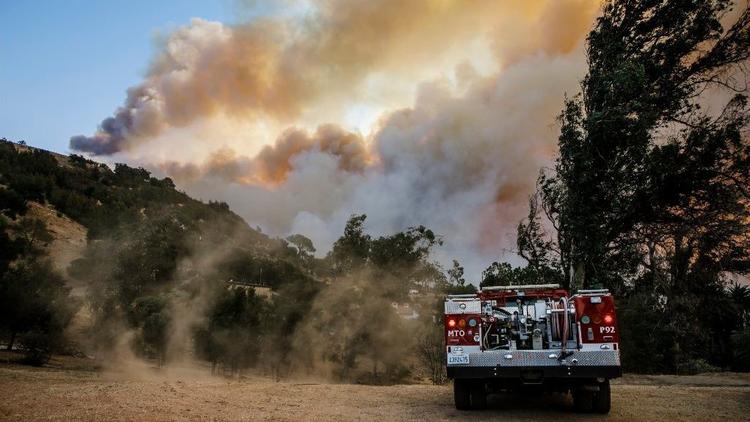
{"x": 462, "y": 394}
{"x": 583, "y": 400}
{"x": 478, "y": 396}
{"x": 603, "y": 398}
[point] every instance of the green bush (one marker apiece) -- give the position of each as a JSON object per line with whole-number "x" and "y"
{"x": 696, "y": 366}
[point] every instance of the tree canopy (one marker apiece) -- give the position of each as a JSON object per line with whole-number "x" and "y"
{"x": 649, "y": 194}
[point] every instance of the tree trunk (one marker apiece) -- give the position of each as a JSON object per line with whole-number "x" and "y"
{"x": 652, "y": 263}
{"x": 578, "y": 277}
{"x": 12, "y": 340}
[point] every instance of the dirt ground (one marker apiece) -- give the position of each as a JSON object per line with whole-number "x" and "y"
{"x": 75, "y": 391}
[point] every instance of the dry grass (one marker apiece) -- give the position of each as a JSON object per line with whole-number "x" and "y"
{"x": 68, "y": 240}
{"x": 84, "y": 393}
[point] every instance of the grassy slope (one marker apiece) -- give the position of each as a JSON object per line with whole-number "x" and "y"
{"x": 74, "y": 196}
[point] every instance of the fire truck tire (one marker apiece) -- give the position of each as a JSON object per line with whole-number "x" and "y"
{"x": 583, "y": 400}
{"x": 603, "y": 398}
{"x": 478, "y": 396}
{"x": 462, "y": 394}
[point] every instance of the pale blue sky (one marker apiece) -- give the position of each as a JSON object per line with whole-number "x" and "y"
{"x": 65, "y": 64}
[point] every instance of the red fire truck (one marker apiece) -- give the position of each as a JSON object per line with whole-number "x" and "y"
{"x": 532, "y": 338}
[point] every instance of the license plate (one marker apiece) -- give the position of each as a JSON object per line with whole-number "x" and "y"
{"x": 458, "y": 359}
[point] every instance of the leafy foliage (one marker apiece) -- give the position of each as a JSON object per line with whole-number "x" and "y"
{"x": 503, "y": 274}
{"x": 649, "y": 195}
{"x": 232, "y": 331}
{"x": 35, "y": 308}
{"x": 35, "y": 304}
{"x": 151, "y": 316}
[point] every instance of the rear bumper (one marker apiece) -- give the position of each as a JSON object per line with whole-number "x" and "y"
{"x": 539, "y": 364}
{"x": 534, "y": 372}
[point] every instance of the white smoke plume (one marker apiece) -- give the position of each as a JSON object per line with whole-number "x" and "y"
{"x": 443, "y": 112}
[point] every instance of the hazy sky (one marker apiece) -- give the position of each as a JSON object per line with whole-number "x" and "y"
{"x": 66, "y": 63}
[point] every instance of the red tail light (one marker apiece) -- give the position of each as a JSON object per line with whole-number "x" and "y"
{"x": 451, "y": 322}
{"x": 608, "y": 319}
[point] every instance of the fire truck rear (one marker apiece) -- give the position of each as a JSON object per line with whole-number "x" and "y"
{"x": 532, "y": 338}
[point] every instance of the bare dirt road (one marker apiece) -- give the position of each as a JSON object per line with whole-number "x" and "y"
{"x": 70, "y": 394}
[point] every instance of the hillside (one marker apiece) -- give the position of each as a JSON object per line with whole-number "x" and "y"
{"x": 92, "y": 194}
{"x": 83, "y": 202}
{"x": 93, "y": 252}
{"x": 68, "y": 238}
{"x": 117, "y": 264}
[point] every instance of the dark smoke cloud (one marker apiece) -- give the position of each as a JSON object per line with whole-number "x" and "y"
{"x": 265, "y": 68}
{"x": 459, "y": 151}
{"x": 463, "y": 165}
{"x": 140, "y": 116}
{"x": 278, "y": 67}
{"x": 274, "y": 162}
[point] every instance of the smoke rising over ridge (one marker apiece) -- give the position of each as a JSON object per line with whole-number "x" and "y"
{"x": 427, "y": 112}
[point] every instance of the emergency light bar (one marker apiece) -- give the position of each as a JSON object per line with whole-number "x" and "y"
{"x": 522, "y": 287}
{"x": 593, "y": 292}
{"x": 462, "y": 296}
